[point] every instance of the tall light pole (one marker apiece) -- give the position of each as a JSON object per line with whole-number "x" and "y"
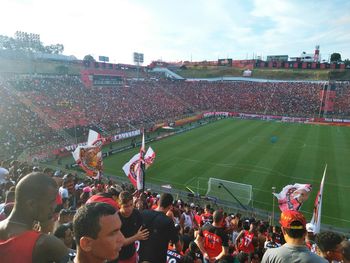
{"x": 138, "y": 59}
{"x": 273, "y": 205}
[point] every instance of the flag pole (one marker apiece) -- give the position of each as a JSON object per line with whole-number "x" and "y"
{"x": 273, "y": 206}
{"x": 142, "y": 159}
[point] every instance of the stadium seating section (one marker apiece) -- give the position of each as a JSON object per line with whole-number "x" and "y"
{"x": 40, "y": 109}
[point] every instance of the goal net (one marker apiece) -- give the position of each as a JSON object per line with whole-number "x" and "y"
{"x": 230, "y": 191}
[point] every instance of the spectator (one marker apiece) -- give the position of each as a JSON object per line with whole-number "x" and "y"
{"x": 63, "y": 190}
{"x": 242, "y": 257}
{"x": 329, "y": 246}
{"x": 35, "y": 197}
{"x": 310, "y": 237}
{"x": 193, "y": 253}
{"x": 247, "y": 238}
{"x": 104, "y": 198}
{"x": 64, "y": 232}
{"x": 96, "y": 228}
{"x": 162, "y": 230}
{"x": 294, "y": 230}
{"x": 346, "y": 251}
{"x": 207, "y": 216}
{"x": 186, "y": 219}
{"x": 132, "y": 228}
{"x": 271, "y": 243}
{"x": 64, "y": 216}
{"x": 9, "y": 203}
{"x": 212, "y": 240}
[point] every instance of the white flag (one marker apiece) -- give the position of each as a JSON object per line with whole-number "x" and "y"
{"x": 316, "y": 216}
{"x": 133, "y": 170}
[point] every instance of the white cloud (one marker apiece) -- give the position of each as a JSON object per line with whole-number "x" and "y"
{"x": 173, "y": 30}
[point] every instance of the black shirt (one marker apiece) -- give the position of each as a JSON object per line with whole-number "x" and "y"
{"x": 130, "y": 226}
{"x": 162, "y": 230}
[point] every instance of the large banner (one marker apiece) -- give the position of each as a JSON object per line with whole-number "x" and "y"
{"x": 113, "y": 138}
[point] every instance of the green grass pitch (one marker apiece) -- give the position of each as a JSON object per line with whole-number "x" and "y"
{"x": 260, "y": 153}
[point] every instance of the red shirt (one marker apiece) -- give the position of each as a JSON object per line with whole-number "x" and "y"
{"x": 214, "y": 239}
{"x": 206, "y": 218}
{"x": 19, "y": 249}
{"x": 246, "y": 244}
{"x": 198, "y": 219}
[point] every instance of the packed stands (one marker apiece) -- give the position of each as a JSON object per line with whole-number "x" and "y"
{"x": 45, "y": 109}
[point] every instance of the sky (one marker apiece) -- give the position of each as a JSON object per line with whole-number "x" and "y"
{"x": 193, "y": 30}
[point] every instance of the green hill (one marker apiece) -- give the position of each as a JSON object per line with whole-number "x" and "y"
{"x": 283, "y": 74}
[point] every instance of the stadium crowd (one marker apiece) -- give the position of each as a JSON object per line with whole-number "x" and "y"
{"x": 53, "y": 108}
{"x": 52, "y": 216}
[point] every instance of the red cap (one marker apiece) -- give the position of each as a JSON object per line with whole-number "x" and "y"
{"x": 289, "y": 216}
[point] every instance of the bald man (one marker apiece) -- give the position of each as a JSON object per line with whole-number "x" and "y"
{"x": 35, "y": 201}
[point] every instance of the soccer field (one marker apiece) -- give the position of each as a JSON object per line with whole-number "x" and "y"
{"x": 260, "y": 153}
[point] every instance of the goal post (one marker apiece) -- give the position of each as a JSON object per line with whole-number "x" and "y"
{"x": 230, "y": 191}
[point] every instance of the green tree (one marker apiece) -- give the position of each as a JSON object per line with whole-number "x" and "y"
{"x": 335, "y": 57}
{"x": 347, "y": 62}
{"x": 89, "y": 58}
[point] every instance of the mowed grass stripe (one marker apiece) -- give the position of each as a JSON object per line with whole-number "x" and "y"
{"x": 331, "y": 197}
{"x": 336, "y": 197}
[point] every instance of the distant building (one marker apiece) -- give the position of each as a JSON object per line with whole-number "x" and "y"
{"x": 308, "y": 57}
{"x": 225, "y": 62}
{"x": 277, "y": 58}
{"x": 304, "y": 57}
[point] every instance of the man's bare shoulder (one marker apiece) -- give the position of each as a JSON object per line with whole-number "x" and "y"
{"x": 49, "y": 248}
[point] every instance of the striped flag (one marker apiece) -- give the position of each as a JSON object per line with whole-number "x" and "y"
{"x": 135, "y": 168}
{"x": 132, "y": 170}
{"x": 316, "y": 216}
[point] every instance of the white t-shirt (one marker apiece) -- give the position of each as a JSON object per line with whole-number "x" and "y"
{"x": 63, "y": 192}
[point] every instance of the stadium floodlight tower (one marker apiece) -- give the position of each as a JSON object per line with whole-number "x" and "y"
{"x": 138, "y": 59}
